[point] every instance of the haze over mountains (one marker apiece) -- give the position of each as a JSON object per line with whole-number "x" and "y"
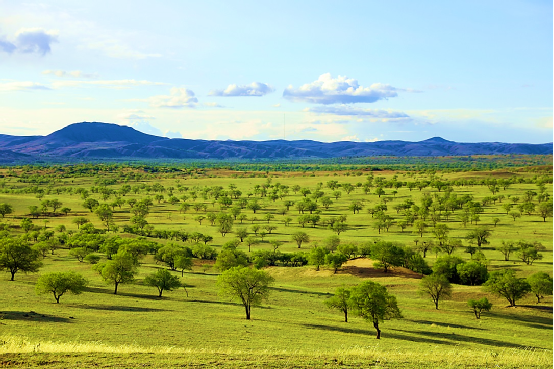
{"x": 95, "y": 141}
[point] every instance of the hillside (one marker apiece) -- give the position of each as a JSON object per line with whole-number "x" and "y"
{"x": 112, "y": 141}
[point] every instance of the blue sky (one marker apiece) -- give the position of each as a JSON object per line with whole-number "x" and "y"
{"x": 468, "y": 71}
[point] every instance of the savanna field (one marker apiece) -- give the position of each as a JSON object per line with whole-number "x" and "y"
{"x": 198, "y": 222}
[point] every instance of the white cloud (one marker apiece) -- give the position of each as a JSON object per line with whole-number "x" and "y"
{"x": 372, "y": 114}
{"x": 172, "y": 134}
{"x": 145, "y": 127}
{"x": 253, "y": 89}
{"x": 133, "y": 115}
{"x": 22, "y": 86}
{"x": 178, "y": 98}
{"x": 117, "y": 84}
{"x": 329, "y": 90}
{"x": 212, "y": 105}
{"x": 30, "y": 40}
{"x": 72, "y": 74}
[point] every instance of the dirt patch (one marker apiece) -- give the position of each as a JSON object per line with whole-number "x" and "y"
{"x": 364, "y": 268}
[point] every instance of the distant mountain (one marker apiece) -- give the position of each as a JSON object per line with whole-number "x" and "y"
{"x": 112, "y": 141}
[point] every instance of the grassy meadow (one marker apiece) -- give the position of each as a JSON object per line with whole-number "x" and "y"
{"x": 198, "y": 328}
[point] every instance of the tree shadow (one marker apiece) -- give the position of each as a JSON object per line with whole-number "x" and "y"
{"x": 225, "y": 303}
{"x": 520, "y": 318}
{"x": 368, "y": 333}
{"x": 118, "y": 308}
{"x": 458, "y": 338}
{"x": 126, "y": 294}
{"x": 444, "y": 325}
{"x": 281, "y": 289}
{"x": 32, "y": 316}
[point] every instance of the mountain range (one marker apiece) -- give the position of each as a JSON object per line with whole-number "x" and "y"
{"x": 97, "y": 141}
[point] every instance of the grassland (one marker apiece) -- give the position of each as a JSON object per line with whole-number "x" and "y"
{"x": 293, "y": 329}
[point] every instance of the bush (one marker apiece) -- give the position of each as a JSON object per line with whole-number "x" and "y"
{"x": 472, "y": 273}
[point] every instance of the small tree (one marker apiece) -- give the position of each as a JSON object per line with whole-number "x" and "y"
{"x": 436, "y": 286}
{"x": 541, "y": 285}
{"x": 17, "y": 255}
{"x": 121, "y": 269}
{"x": 478, "y": 306}
{"x": 472, "y": 273}
{"x": 80, "y": 253}
{"x": 340, "y": 301}
{"x": 507, "y": 248}
{"x": 182, "y": 263}
{"x": 59, "y": 283}
{"x": 300, "y": 237}
{"x": 248, "y": 285}
{"x": 317, "y": 256}
{"x": 5, "y": 209}
{"x": 335, "y": 261}
{"x": 387, "y": 254}
{"x": 162, "y": 280}
{"x": 505, "y": 283}
{"x": 371, "y": 301}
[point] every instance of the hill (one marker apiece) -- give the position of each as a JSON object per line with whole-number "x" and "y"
{"x": 111, "y": 141}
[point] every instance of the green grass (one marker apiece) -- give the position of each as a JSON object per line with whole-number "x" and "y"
{"x": 293, "y": 328}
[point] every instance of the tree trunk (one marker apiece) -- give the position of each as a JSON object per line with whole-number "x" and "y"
{"x": 13, "y": 274}
{"x": 247, "y": 308}
{"x": 346, "y": 316}
{"x": 161, "y": 290}
{"x": 436, "y": 303}
{"x": 115, "y": 291}
{"x": 57, "y": 299}
{"x": 376, "y": 326}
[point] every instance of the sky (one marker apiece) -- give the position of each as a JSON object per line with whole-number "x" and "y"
{"x": 467, "y": 71}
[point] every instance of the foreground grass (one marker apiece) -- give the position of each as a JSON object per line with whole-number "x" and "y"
{"x": 17, "y": 352}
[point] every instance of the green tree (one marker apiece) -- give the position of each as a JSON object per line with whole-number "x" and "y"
{"x": 541, "y": 285}
{"x": 300, "y": 237}
{"x": 472, "y": 273}
{"x": 17, "y": 255}
{"x": 121, "y": 269}
{"x": 371, "y": 301}
{"x": 105, "y": 214}
{"x": 163, "y": 280}
{"x": 59, "y": 283}
{"x": 340, "y": 301}
{"x": 317, "y": 256}
{"x": 249, "y": 286}
{"x": 479, "y": 235}
{"x": 5, "y": 209}
{"x": 230, "y": 257}
{"x": 507, "y": 248}
{"x": 387, "y": 254}
{"x": 436, "y": 286}
{"x": 182, "y": 263}
{"x": 505, "y": 283}
{"x": 26, "y": 224}
{"x": 80, "y": 253}
{"x": 335, "y": 261}
{"x": 478, "y": 306}
{"x": 545, "y": 210}
{"x": 91, "y": 204}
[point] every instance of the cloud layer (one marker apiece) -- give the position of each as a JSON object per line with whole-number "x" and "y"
{"x": 30, "y": 40}
{"x": 344, "y": 110}
{"x": 178, "y": 98}
{"x": 253, "y": 89}
{"x": 71, "y": 74}
{"x": 329, "y": 90}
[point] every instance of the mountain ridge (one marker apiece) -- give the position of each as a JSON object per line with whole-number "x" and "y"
{"x": 111, "y": 141}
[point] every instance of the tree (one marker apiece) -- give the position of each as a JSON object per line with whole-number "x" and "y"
{"x": 182, "y": 263}
{"x": 505, "y": 283}
{"x": 472, "y": 273}
{"x": 338, "y": 227}
{"x": 541, "y": 285}
{"x": 371, "y": 301}
{"x": 80, "y": 253}
{"x": 317, "y": 256}
{"x": 230, "y": 257}
{"x": 5, "y": 209}
{"x": 529, "y": 252}
{"x": 545, "y": 210}
{"x": 355, "y": 207}
{"x": 17, "y": 255}
{"x": 300, "y": 237}
{"x": 479, "y": 235}
{"x": 26, "y": 224}
{"x": 419, "y": 226}
{"x": 387, "y": 254}
{"x": 331, "y": 243}
{"x": 162, "y": 280}
{"x": 121, "y": 269}
{"x": 340, "y": 301}
{"x": 59, "y": 283}
{"x": 91, "y": 204}
{"x": 335, "y": 261}
{"x": 436, "y": 286}
{"x": 478, "y": 306}
{"x": 248, "y": 285}
{"x": 251, "y": 241}
{"x": 105, "y": 214}
{"x": 506, "y": 249}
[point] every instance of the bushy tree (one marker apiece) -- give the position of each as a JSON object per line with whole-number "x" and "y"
{"x": 340, "y": 301}
{"x": 436, "y": 286}
{"x": 478, "y": 306}
{"x": 59, "y": 283}
{"x": 541, "y": 285}
{"x": 505, "y": 283}
{"x": 448, "y": 266}
{"x": 300, "y": 237}
{"x": 163, "y": 280}
{"x": 317, "y": 256}
{"x": 17, "y": 255}
{"x": 335, "y": 261}
{"x": 472, "y": 273}
{"x": 371, "y": 301}
{"x": 249, "y": 286}
{"x": 387, "y": 254}
{"x": 121, "y": 269}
